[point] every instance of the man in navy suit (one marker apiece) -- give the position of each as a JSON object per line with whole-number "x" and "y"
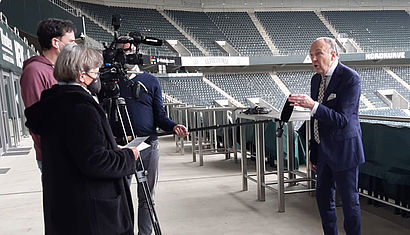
{"x": 336, "y": 146}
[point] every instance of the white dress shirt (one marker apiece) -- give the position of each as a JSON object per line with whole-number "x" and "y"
{"x": 329, "y": 76}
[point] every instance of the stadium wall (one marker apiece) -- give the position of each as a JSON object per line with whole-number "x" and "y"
{"x": 19, "y": 11}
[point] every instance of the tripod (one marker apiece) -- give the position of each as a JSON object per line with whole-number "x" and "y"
{"x": 113, "y": 108}
{"x": 141, "y": 175}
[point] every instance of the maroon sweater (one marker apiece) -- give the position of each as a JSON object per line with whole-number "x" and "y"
{"x": 37, "y": 76}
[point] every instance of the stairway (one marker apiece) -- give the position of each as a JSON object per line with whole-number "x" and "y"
{"x": 180, "y": 29}
{"x": 397, "y": 77}
{"x": 222, "y": 92}
{"x": 336, "y": 34}
{"x": 263, "y": 33}
{"x": 280, "y": 84}
{"x": 367, "y": 102}
{"x": 78, "y": 13}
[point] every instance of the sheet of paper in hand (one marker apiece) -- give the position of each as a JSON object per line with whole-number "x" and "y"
{"x": 139, "y": 143}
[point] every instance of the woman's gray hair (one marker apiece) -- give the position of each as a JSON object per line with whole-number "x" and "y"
{"x": 331, "y": 42}
{"x": 75, "y": 59}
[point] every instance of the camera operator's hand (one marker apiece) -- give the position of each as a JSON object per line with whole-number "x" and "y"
{"x": 135, "y": 151}
{"x": 180, "y": 131}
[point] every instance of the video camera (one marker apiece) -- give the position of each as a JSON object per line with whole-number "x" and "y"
{"x": 116, "y": 60}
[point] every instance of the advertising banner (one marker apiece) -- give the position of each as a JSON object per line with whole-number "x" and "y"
{"x": 13, "y": 50}
{"x": 215, "y": 61}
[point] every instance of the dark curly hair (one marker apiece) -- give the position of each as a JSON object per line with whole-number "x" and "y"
{"x": 52, "y": 28}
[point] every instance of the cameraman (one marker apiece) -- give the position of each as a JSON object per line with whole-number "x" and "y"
{"x": 147, "y": 113}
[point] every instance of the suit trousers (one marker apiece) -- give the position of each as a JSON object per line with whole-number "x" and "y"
{"x": 346, "y": 183}
{"x": 150, "y": 159}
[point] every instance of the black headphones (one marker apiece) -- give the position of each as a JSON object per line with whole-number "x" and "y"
{"x": 257, "y": 110}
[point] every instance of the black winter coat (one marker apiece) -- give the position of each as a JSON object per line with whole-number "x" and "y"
{"x": 84, "y": 186}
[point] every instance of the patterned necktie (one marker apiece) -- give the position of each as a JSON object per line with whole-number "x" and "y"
{"x": 320, "y": 100}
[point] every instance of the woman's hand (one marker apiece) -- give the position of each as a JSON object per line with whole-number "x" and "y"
{"x": 135, "y": 151}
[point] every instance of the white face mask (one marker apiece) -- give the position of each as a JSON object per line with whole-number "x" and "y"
{"x": 58, "y": 46}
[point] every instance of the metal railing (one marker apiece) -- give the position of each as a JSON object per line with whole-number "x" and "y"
{"x": 389, "y": 119}
{"x": 385, "y": 118}
{"x": 67, "y": 7}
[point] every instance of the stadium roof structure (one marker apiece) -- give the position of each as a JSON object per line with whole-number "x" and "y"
{"x": 232, "y": 5}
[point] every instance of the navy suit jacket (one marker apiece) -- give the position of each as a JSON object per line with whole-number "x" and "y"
{"x": 340, "y": 145}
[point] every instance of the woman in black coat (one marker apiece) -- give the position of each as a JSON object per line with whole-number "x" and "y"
{"x": 84, "y": 185}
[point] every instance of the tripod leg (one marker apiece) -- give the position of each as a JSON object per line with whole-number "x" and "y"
{"x": 122, "y": 125}
{"x": 114, "y": 115}
{"x": 123, "y": 106}
{"x": 141, "y": 176}
{"x": 129, "y": 121}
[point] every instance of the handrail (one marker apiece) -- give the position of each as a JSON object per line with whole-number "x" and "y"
{"x": 390, "y": 119}
{"x": 3, "y": 18}
{"x": 67, "y": 7}
{"x": 385, "y": 118}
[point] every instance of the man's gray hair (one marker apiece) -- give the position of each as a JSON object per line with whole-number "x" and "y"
{"x": 75, "y": 59}
{"x": 330, "y": 41}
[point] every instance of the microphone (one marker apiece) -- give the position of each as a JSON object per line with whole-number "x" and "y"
{"x": 286, "y": 111}
{"x": 284, "y": 117}
{"x": 138, "y": 38}
{"x": 151, "y": 41}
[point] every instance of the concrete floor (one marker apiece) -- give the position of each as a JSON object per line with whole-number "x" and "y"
{"x": 190, "y": 200}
